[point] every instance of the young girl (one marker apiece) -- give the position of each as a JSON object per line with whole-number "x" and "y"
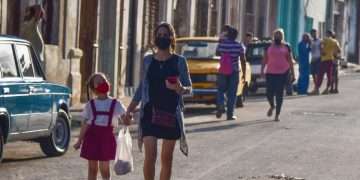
{"x": 97, "y": 140}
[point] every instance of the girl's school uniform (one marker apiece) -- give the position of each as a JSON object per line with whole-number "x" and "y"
{"x": 99, "y": 141}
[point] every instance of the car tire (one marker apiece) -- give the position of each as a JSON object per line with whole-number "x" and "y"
{"x": 1, "y": 144}
{"x": 58, "y": 142}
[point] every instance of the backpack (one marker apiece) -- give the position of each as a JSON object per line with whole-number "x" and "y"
{"x": 226, "y": 67}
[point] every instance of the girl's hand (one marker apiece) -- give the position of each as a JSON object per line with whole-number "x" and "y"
{"x": 77, "y": 145}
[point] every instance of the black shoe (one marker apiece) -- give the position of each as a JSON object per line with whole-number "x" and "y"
{"x": 231, "y": 118}
{"x": 219, "y": 113}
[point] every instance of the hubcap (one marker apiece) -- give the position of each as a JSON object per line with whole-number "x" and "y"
{"x": 61, "y": 134}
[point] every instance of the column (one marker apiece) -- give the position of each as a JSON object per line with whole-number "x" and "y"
{"x": 109, "y": 41}
{"x": 192, "y": 16}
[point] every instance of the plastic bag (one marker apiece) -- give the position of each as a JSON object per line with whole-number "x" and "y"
{"x": 124, "y": 162}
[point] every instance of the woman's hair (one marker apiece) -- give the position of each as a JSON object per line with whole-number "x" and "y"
{"x": 90, "y": 82}
{"x": 31, "y": 13}
{"x": 171, "y": 31}
{"x": 307, "y": 35}
{"x": 279, "y": 31}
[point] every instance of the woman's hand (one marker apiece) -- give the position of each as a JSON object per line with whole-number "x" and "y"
{"x": 174, "y": 86}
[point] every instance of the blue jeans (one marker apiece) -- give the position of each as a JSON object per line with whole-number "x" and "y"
{"x": 227, "y": 84}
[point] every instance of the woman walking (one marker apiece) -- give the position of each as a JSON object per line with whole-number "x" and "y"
{"x": 278, "y": 62}
{"x": 304, "y": 49}
{"x": 166, "y": 79}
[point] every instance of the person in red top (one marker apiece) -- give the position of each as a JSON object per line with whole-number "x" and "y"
{"x": 278, "y": 62}
{"x": 97, "y": 140}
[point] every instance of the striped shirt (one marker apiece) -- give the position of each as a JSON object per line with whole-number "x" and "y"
{"x": 235, "y": 50}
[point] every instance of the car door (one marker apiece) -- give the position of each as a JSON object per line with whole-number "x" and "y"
{"x": 15, "y": 92}
{"x": 41, "y": 106}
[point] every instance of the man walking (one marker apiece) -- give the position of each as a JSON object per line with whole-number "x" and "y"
{"x": 315, "y": 55}
{"x": 232, "y": 54}
{"x": 329, "y": 50}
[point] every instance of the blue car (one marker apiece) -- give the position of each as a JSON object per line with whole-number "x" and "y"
{"x": 31, "y": 108}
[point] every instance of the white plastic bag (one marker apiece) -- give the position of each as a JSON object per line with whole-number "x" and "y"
{"x": 124, "y": 162}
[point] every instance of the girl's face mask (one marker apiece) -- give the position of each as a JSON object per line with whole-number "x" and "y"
{"x": 103, "y": 88}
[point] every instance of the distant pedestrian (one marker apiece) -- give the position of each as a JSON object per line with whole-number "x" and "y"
{"x": 334, "y": 88}
{"x": 329, "y": 50}
{"x": 249, "y": 37}
{"x": 30, "y": 29}
{"x": 232, "y": 53}
{"x": 279, "y": 67}
{"x": 304, "y": 48}
{"x": 96, "y": 137}
{"x": 165, "y": 80}
{"x": 315, "y": 55}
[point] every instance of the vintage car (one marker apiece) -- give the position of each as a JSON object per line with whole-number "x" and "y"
{"x": 203, "y": 66}
{"x": 31, "y": 108}
{"x": 254, "y": 55}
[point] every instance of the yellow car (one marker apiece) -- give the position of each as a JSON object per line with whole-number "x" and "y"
{"x": 203, "y": 66}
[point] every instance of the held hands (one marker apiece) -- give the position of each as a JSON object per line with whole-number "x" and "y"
{"x": 127, "y": 118}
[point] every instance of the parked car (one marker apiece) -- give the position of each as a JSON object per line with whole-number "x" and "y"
{"x": 254, "y": 54}
{"x": 31, "y": 108}
{"x": 203, "y": 66}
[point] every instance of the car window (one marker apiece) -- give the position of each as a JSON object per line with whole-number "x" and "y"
{"x": 36, "y": 66}
{"x": 26, "y": 61}
{"x": 197, "y": 49}
{"x": 7, "y": 62}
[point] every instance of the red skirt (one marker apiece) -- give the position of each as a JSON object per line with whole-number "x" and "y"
{"x": 99, "y": 144}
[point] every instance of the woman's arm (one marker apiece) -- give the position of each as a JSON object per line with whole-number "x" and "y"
{"x": 185, "y": 80}
{"x": 264, "y": 62}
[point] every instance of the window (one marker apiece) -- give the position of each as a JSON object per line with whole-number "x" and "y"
{"x": 26, "y": 61}
{"x": 7, "y": 62}
{"x": 197, "y": 49}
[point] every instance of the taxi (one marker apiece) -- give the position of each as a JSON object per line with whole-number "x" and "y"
{"x": 203, "y": 63}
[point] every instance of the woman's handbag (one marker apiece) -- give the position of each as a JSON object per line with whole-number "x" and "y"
{"x": 163, "y": 118}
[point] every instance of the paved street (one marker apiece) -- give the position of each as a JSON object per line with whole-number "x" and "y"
{"x": 316, "y": 139}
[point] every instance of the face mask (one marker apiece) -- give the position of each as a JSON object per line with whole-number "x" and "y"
{"x": 103, "y": 88}
{"x": 277, "y": 41}
{"x": 163, "y": 42}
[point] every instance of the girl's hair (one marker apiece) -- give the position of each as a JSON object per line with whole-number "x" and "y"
{"x": 90, "y": 82}
{"x": 279, "y": 31}
{"x": 171, "y": 31}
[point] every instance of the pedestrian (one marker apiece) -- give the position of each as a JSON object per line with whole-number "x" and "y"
{"x": 334, "y": 88}
{"x": 96, "y": 138}
{"x": 166, "y": 79}
{"x": 329, "y": 50}
{"x": 249, "y": 37}
{"x": 315, "y": 55}
{"x": 304, "y": 48}
{"x": 279, "y": 64}
{"x": 229, "y": 82}
{"x": 30, "y": 29}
